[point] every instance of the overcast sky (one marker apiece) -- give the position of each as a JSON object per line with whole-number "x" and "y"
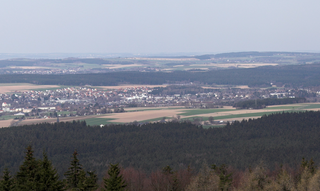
{"x": 158, "y": 26}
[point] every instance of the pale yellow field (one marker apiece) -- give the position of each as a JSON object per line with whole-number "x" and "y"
{"x": 116, "y": 66}
{"x": 142, "y": 115}
{"x": 30, "y": 67}
{"x": 235, "y": 112}
{"x": 237, "y": 65}
{"x": 5, "y": 88}
{"x": 160, "y": 112}
{"x": 5, "y": 123}
{"x": 153, "y": 108}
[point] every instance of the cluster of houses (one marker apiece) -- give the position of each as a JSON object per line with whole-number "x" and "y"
{"x": 79, "y": 98}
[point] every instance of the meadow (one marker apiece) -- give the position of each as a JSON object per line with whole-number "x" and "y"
{"x": 168, "y": 113}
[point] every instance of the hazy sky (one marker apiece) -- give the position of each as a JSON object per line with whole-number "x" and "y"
{"x": 158, "y": 26}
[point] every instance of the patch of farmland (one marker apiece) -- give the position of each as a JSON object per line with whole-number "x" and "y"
{"x": 246, "y": 115}
{"x": 53, "y": 120}
{"x": 5, "y": 123}
{"x": 127, "y": 117}
{"x": 203, "y": 111}
{"x": 5, "y": 88}
{"x": 283, "y": 107}
{"x": 242, "y": 112}
{"x": 6, "y": 117}
{"x": 311, "y": 106}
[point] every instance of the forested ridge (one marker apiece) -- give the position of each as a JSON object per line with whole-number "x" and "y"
{"x": 262, "y": 103}
{"x": 276, "y": 139}
{"x": 290, "y": 75}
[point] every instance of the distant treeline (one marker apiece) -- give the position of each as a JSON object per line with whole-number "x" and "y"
{"x": 276, "y": 139}
{"x": 262, "y": 103}
{"x": 30, "y": 62}
{"x": 293, "y": 75}
{"x": 248, "y": 54}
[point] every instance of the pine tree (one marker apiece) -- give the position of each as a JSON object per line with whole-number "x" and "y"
{"x": 28, "y": 176}
{"x": 49, "y": 179}
{"x": 115, "y": 181}
{"x": 7, "y": 182}
{"x": 89, "y": 183}
{"x": 74, "y": 175}
{"x": 76, "y": 178}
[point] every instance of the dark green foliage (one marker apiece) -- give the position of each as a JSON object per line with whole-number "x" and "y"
{"x": 224, "y": 176}
{"x": 90, "y": 182}
{"x": 75, "y": 174}
{"x": 114, "y": 181}
{"x": 76, "y": 178}
{"x": 49, "y": 179}
{"x": 290, "y": 75}
{"x": 37, "y": 174}
{"x": 28, "y": 177}
{"x": 262, "y": 103}
{"x": 6, "y": 182}
{"x": 277, "y": 138}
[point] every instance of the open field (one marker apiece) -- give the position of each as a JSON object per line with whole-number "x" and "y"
{"x": 15, "y": 87}
{"x": 143, "y": 114}
{"x": 227, "y": 113}
{"x": 190, "y": 112}
{"x": 52, "y": 120}
{"x": 117, "y": 66}
{"x": 131, "y": 109}
{"x": 240, "y": 65}
{"x": 30, "y": 67}
{"x": 5, "y": 123}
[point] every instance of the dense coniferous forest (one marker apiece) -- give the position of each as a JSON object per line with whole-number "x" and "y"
{"x": 262, "y": 103}
{"x": 290, "y": 75}
{"x": 275, "y": 139}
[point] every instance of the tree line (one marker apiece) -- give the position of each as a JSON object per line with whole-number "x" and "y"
{"x": 276, "y": 138}
{"x": 262, "y": 103}
{"x": 41, "y": 175}
{"x": 288, "y": 75}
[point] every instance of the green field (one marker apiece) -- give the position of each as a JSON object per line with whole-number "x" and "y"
{"x": 247, "y": 115}
{"x": 311, "y": 106}
{"x": 6, "y": 117}
{"x": 203, "y": 111}
{"x": 283, "y": 107}
{"x": 156, "y": 119}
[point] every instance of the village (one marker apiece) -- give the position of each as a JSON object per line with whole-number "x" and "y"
{"x": 81, "y": 101}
